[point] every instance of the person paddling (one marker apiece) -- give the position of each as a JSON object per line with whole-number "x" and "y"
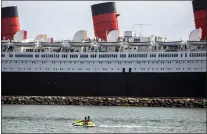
{"x": 89, "y": 119}
{"x": 85, "y": 120}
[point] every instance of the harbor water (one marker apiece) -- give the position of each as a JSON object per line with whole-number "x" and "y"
{"x": 58, "y": 119}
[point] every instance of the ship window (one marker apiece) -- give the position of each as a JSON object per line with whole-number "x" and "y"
{"x": 73, "y": 56}
{"x": 152, "y": 55}
{"x": 94, "y": 56}
{"x": 24, "y": 55}
{"x": 84, "y": 56}
{"x": 29, "y": 50}
{"x": 2, "y": 55}
{"x": 123, "y": 55}
{"x": 10, "y": 55}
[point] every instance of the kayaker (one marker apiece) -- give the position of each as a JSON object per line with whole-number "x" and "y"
{"x": 85, "y": 120}
{"x": 89, "y": 119}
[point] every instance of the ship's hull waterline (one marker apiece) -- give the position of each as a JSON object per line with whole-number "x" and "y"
{"x": 188, "y": 84}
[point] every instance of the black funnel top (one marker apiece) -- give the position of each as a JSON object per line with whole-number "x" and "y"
{"x": 7, "y": 12}
{"x": 103, "y": 8}
{"x": 199, "y": 5}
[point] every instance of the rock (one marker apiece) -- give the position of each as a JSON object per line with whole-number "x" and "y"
{"x": 106, "y": 101}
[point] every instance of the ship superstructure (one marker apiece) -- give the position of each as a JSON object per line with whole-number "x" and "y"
{"x": 108, "y": 65}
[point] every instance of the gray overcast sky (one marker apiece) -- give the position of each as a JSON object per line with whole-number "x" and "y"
{"x": 61, "y": 19}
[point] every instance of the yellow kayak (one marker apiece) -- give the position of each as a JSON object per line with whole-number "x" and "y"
{"x": 81, "y": 123}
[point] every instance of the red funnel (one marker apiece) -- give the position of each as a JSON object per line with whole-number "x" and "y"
{"x": 9, "y": 22}
{"x": 104, "y": 19}
{"x": 200, "y": 16}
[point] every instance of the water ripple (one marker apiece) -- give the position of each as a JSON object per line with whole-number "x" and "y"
{"x": 52, "y": 119}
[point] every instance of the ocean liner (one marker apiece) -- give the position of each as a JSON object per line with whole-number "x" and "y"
{"x": 107, "y": 65}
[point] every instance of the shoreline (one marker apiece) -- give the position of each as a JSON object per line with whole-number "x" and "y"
{"x": 106, "y": 101}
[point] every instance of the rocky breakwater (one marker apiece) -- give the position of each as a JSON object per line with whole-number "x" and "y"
{"x": 105, "y": 101}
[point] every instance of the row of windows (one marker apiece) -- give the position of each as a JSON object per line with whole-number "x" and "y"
{"x": 163, "y": 62}
{"x": 93, "y": 56}
{"x": 137, "y": 55}
{"x": 29, "y": 50}
{"x": 24, "y": 55}
{"x": 73, "y": 56}
{"x": 168, "y": 55}
{"x": 106, "y": 55}
{"x": 152, "y": 55}
{"x": 105, "y": 69}
{"x": 198, "y": 55}
{"x": 155, "y": 69}
{"x": 49, "y": 55}
{"x": 83, "y": 56}
{"x": 64, "y": 56}
{"x": 123, "y": 55}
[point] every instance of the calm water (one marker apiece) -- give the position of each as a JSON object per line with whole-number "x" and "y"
{"x": 53, "y": 119}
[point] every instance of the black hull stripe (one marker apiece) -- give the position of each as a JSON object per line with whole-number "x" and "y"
{"x": 7, "y": 12}
{"x": 104, "y": 84}
{"x": 199, "y": 5}
{"x": 103, "y": 8}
